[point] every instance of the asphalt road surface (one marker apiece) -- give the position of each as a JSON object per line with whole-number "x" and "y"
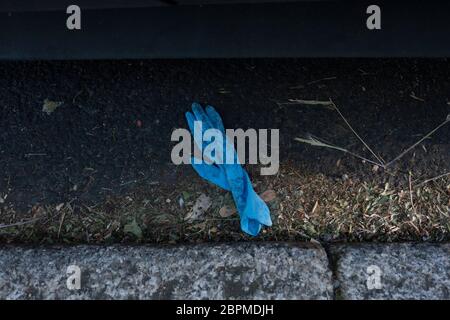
{"x": 112, "y": 127}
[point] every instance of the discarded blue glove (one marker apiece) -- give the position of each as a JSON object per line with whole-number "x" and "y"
{"x": 232, "y": 177}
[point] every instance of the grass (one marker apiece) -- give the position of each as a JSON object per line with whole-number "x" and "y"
{"x": 306, "y": 207}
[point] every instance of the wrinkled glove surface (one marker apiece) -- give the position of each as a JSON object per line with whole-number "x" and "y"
{"x": 252, "y": 209}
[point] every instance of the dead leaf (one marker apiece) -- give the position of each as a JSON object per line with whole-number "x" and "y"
{"x": 268, "y": 195}
{"x": 213, "y": 230}
{"x": 227, "y": 211}
{"x": 202, "y": 204}
{"x": 133, "y": 228}
{"x": 50, "y": 106}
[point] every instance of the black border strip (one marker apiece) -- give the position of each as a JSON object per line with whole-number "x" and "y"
{"x": 293, "y": 29}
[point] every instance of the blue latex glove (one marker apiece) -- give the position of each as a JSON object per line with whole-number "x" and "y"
{"x": 232, "y": 177}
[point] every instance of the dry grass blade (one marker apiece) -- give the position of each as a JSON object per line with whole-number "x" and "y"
{"x": 411, "y": 194}
{"x": 323, "y": 79}
{"x": 16, "y": 224}
{"x": 317, "y": 143}
{"x": 331, "y": 105}
{"x": 379, "y": 159}
{"x": 326, "y": 103}
{"x": 429, "y": 134}
{"x": 433, "y": 179}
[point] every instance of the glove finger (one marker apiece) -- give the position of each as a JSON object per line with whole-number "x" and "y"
{"x": 257, "y": 209}
{"x": 252, "y": 209}
{"x": 212, "y": 174}
{"x": 190, "y": 118}
{"x": 217, "y": 123}
{"x": 201, "y": 116}
{"x": 262, "y": 212}
{"x": 197, "y": 135}
{"x": 250, "y": 226}
{"x": 215, "y": 118}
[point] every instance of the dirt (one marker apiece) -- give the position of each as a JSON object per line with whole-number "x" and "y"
{"x": 109, "y": 140}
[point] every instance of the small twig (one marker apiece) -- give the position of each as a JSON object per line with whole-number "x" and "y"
{"x": 447, "y": 120}
{"x": 324, "y": 103}
{"x": 312, "y": 82}
{"x": 364, "y": 73}
{"x": 138, "y": 180}
{"x": 323, "y": 79}
{"x": 16, "y": 224}
{"x": 411, "y": 194}
{"x": 128, "y": 182}
{"x": 413, "y": 95}
{"x": 35, "y": 154}
{"x": 432, "y": 179}
{"x": 61, "y": 223}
